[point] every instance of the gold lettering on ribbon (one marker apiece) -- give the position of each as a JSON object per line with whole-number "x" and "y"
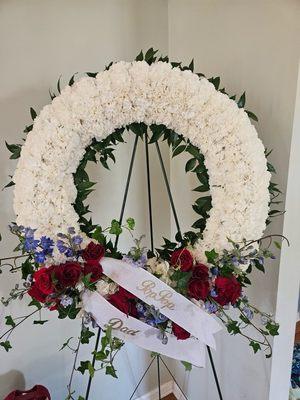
{"x": 118, "y": 324}
{"x": 163, "y": 296}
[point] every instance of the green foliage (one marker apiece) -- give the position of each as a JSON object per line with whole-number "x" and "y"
{"x": 68, "y": 312}
{"x": 85, "y": 336}
{"x": 6, "y": 345}
{"x": 187, "y": 365}
{"x": 9, "y": 321}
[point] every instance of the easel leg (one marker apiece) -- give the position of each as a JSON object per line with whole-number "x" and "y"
{"x": 215, "y": 373}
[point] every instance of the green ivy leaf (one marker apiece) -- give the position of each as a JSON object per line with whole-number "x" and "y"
{"x": 6, "y": 345}
{"x": 130, "y": 223}
{"x": 9, "y": 321}
{"x": 255, "y": 346}
{"x": 115, "y": 228}
{"x": 211, "y": 256}
{"x": 86, "y": 334}
{"x": 110, "y": 370}
{"x": 40, "y": 322}
{"x": 35, "y": 303}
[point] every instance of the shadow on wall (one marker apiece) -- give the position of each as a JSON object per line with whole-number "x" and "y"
{"x": 12, "y": 380}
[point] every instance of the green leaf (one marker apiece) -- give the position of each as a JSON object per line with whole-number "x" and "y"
{"x": 211, "y": 256}
{"x": 158, "y": 131}
{"x": 202, "y": 188}
{"x": 271, "y": 168}
{"x": 26, "y": 268}
{"x": 273, "y": 328}
{"x": 191, "y": 66}
{"x": 255, "y": 346}
{"x": 130, "y": 223}
{"x": 110, "y": 370}
{"x": 86, "y": 366}
{"x": 277, "y": 244}
{"x": 6, "y": 345}
{"x": 140, "y": 56}
{"x": 11, "y": 183}
{"x": 242, "y": 100}
{"x": 233, "y": 328}
{"x": 40, "y": 322}
{"x": 251, "y": 115}
{"x": 178, "y": 150}
{"x": 66, "y": 344}
{"x": 9, "y": 321}
{"x": 35, "y": 303}
{"x": 187, "y": 365}
{"x": 33, "y": 113}
{"x": 86, "y": 334}
{"x": 190, "y": 164}
{"x": 58, "y": 85}
{"x": 115, "y": 228}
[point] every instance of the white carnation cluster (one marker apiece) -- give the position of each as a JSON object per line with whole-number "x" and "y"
{"x": 153, "y": 94}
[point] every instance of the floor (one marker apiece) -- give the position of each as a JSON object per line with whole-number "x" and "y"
{"x": 170, "y": 397}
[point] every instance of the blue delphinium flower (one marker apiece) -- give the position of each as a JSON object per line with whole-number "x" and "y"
{"x": 30, "y": 243}
{"x": 47, "y": 246}
{"x": 248, "y": 312}
{"x": 77, "y": 240}
{"x": 39, "y": 257}
{"x": 214, "y": 271}
{"x": 71, "y": 230}
{"x": 61, "y": 246}
{"x": 66, "y": 301}
{"x": 211, "y": 308}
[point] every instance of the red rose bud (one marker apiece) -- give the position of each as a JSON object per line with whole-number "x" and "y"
{"x": 200, "y": 271}
{"x": 93, "y": 253}
{"x": 43, "y": 281}
{"x": 228, "y": 290}
{"x": 94, "y": 270}
{"x": 179, "y": 332}
{"x": 68, "y": 274}
{"x": 183, "y": 259}
{"x": 198, "y": 289}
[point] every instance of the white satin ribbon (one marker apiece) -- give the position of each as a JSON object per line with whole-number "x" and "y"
{"x": 143, "y": 335}
{"x": 154, "y": 292}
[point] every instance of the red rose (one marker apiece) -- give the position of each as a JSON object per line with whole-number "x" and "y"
{"x": 179, "y": 332}
{"x": 93, "y": 253}
{"x": 228, "y": 290}
{"x": 68, "y": 274}
{"x": 43, "y": 281}
{"x": 94, "y": 270}
{"x": 198, "y": 289}
{"x": 183, "y": 259}
{"x": 124, "y": 301}
{"x": 200, "y": 271}
{"x": 36, "y": 294}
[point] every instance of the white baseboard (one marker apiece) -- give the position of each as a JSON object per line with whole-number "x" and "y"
{"x": 166, "y": 388}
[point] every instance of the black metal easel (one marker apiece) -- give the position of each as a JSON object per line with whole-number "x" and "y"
{"x": 158, "y": 357}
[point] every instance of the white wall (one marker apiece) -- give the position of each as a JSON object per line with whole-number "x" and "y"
{"x": 39, "y": 40}
{"x": 252, "y": 46}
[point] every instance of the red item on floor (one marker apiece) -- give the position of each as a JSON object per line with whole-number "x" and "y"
{"x": 38, "y": 392}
